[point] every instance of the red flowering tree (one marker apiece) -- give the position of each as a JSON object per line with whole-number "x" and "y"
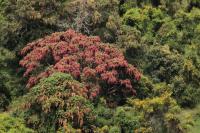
{"x": 101, "y": 67}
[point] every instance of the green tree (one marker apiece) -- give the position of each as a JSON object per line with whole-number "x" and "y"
{"x": 159, "y": 111}
{"x": 9, "y": 84}
{"x": 58, "y": 102}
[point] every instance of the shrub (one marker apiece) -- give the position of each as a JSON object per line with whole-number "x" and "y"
{"x": 11, "y": 124}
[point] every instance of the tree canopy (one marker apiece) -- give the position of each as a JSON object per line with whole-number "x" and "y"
{"x": 99, "y": 66}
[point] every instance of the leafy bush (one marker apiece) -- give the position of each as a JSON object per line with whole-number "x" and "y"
{"x": 11, "y": 124}
{"x": 120, "y": 119}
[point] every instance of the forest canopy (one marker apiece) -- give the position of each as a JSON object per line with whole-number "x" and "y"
{"x": 100, "y": 66}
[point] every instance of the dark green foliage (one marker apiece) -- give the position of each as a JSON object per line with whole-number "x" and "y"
{"x": 144, "y": 87}
{"x": 126, "y": 119}
{"x": 4, "y": 100}
{"x": 28, "y": 20}
{"x": 121, "y": 119}
{"x": 8, "y": 82}
{"x": 163, "y": 63}
{"x": 129, "y": 39}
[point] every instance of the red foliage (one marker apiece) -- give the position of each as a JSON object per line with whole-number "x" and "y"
{"x": 85, "y": 58}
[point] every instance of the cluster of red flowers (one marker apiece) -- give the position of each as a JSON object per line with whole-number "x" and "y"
{"x": 87, "y": 59}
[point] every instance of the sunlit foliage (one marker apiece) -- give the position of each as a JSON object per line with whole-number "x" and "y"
{"x": 11, "y": 124}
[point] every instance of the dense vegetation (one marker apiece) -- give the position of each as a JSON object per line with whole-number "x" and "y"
{"x": 100, "y": 66}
